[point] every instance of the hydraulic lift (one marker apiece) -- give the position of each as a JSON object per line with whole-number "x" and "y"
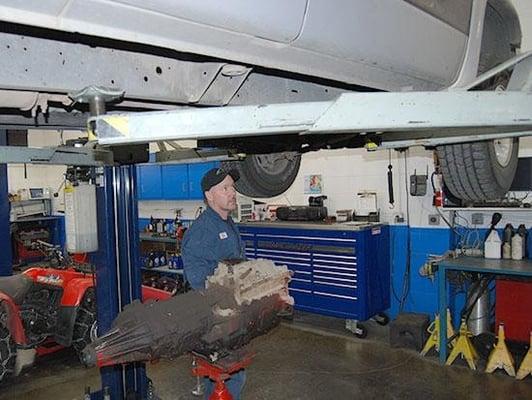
{"x": 439, "y": 118}
{"x": 431, "y": 118}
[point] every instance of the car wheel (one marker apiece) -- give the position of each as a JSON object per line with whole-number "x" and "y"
{"x": 8, "y": 350}
{"x": 480, "y": 171}
{"x": 265, "y": 175}
{"x": 85, "y": 326}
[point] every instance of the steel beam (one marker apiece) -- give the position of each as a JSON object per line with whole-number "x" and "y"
{"x": 191, "y": 155}
{"x": 432, "y": 114}
{"x": 141, "y": 76}
{"x": 58, "y": 155}
{"x": 431, "y": 142}
{"x": 117, "y": 270}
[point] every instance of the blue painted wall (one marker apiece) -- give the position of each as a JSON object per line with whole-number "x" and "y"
{"x": 422, "y": 293}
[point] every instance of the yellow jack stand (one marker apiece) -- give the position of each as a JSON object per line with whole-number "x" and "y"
{"x": 526, "y": 366}
{"x": 434, "y": 330}
{"x": 464, "y": 348}
{"x": 500, "y": 357}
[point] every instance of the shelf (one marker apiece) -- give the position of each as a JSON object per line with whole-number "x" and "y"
{"x": 475, "y": 209}
{"x": 149, "y": 237}
{"x": 30, "y": 219}
{"x": 164, "y": 269}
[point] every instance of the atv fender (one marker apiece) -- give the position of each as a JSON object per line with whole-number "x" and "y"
{"x": 14, "y": 323}
{"x": 75, "y": 290}
{"x": 66, "y": 318}
{"x": 73, "y": 294}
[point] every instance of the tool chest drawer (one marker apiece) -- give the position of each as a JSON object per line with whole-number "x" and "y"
{"x": 337, "y": 272}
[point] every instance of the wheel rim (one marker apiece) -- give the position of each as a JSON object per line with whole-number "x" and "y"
{"x": 93, "y": 333}
{"x": 503, "y": 151}
{"x": 275, "y": 163}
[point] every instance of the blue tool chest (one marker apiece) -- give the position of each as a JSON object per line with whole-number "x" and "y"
{"x": 338, "y": 270}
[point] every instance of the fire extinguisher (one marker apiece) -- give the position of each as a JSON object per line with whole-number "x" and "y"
{"x": 437, "y": 197}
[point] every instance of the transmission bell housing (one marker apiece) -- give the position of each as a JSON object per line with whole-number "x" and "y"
{"x": 240, "y": 302}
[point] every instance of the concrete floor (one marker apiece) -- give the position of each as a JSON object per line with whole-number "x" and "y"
{"x": 296, "y": 361}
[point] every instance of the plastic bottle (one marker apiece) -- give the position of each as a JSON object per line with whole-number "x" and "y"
{"x": 177, "y": 222}
{"x": 507, "y": 251}
{"x": 524, "y": 234}
{"x": 151, "y": 225}
{"x": 517, "y": 247}
{"x": 508, "y": 233}
{"x": 492, "y": 245}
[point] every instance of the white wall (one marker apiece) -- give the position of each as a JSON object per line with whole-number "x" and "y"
{"x": 346, "y": 172}
{"x": 35, "y": 175}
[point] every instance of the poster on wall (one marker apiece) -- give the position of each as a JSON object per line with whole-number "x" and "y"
{"x": 313, "y": 184}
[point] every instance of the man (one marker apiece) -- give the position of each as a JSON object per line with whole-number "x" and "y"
{"x": 212, "y": 238}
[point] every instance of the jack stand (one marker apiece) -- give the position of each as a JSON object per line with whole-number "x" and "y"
{"x": 500, "y": 357}
{"x": 526, "y": 366}
{"x": 352, "y": 325}
{"x": 434, "y": 330}
{"x": 220, "y": 370}
{"x": 464, "y": 348}
{"x": 95, "y": 97}
{"x": 199, "y": 389}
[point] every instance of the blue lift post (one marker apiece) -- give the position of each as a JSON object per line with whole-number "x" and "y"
{"x": 117, "y": 271}
{"x": 6, "y": 262}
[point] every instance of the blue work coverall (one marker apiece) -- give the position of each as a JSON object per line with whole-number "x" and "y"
{"x": 208, "y": 241}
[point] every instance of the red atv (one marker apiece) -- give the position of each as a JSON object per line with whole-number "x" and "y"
{"x": 44, "y": 309}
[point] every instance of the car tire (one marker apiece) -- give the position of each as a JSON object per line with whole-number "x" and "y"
{"x": 476, "y": 172}
{"x": 265, "y": 175}
{"x": 85, "y": 324}
{"x": 8, "y": 350}
{"x": 483, "y": 171}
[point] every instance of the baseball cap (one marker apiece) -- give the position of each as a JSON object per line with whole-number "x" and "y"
{"x": 215, "y": 175}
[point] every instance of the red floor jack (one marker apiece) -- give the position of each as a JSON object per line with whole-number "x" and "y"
{"x": 220, "y": 370}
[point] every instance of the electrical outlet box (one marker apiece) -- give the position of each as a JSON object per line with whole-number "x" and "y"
{"x": 418, "y": 185}
{"x": 477, "y": 219}
{"x": 434, "y": 219}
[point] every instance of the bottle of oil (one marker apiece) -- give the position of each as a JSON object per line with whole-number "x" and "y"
{"x": 517, "y": 247}
{"x": 522, "y": 231}
{"x": 492, "y": 245}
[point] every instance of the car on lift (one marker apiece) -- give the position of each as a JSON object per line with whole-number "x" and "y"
{"x": 48, "y": 307}
{"x": 184, "y": 53}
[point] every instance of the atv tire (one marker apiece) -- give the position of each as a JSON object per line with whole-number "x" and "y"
{"x": 85, "y": 323}
{"x": 8, "y": 350}
{"x": 265, "y": 175}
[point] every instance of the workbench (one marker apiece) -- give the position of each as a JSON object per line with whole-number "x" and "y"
{"x": 521, "y": 268}
{"x": 340, "y": 270}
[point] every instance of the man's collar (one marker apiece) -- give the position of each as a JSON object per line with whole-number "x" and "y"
{"x": 212, "y": 212}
